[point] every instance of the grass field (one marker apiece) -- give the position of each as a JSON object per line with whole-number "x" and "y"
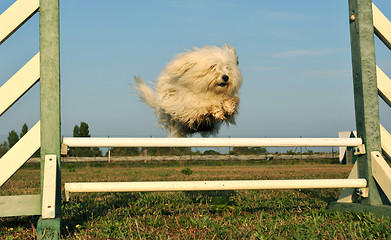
{"x": 264, "y": 214}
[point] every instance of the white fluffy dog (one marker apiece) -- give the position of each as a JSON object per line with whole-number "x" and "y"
{"x": 196, "y": 92}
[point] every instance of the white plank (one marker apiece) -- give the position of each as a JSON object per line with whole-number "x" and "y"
{"x": 211, "y": 142}
{"x": 15, "y": 16}
{"x": 382, "y": 26}
{"x": 20, "y": 153}
{"x": 385, "y": 141}
{"x": 19, "y": 83}
{"x": 49, "y": 187}
{"x": 348, "y": 194}
{"x": 342, "y": 150}
{"x": 381, "y": 171}
{"x": 383, "y": 86}
{"x": 212, "y": 185}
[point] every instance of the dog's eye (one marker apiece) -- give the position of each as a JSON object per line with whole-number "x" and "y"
{"x": 213, "y": 66}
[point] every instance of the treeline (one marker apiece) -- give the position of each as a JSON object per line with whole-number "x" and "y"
{"x": 82, "y": 130}
{"x": 78, "y": 131}
{"x": 12, "y": 139}
{"x": 175, "y": 151}
{"x": 151, "y": 151}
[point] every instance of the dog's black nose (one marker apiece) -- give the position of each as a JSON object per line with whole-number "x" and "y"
{"x": 225, "y": 78}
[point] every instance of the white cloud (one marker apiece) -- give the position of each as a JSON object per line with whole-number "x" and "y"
{"x": 328, "y": 74}
{"x": 308, "y": 53}
{"x": 260, "y": 68}
{"x": 285, "y": 16}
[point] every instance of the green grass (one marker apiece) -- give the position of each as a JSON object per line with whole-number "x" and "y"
{"x": 271, "y": 214}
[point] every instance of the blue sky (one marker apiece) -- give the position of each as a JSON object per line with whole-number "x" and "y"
{"x": 294, "y": 57}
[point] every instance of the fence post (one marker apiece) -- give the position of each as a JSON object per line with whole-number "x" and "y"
{"x": 366, "y": 106}
{"x": 49, "y": 228}
{"x": 365, "y": 90}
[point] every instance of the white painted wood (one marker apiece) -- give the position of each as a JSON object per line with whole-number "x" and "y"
{"x": 20, "y": 153}
{"x": 211, "y": 142}
{"x": 49, "y": 187}
{"x": 15, "y": 16}
{"x": 344, "y": 134}
{"x": 385, "y": 141}
{"x": 383, "y": 86}
{"x": 382, "y": 26}
{"x": 342, "y": 150}
{"x": 212, "y": 185}
{"x": 348, "y": 195}
{"x": 19, "y": 83}
{"x": 381, "y": 171}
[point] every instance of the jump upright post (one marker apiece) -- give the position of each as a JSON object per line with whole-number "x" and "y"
{"x": 49, "y": 24}
{"x": 362, "y": 29}
{"x": 43, "y": 67}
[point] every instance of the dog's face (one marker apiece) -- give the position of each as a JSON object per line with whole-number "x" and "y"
{"x": 211, "y": 70}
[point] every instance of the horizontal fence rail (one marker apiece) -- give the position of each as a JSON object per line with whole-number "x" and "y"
{"x": 211, "y": 142}
{"x": 212, "y": 185}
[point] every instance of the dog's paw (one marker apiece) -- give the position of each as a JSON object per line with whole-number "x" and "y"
{"x": 230, "y": 105}
{"x": 217, "y": 112}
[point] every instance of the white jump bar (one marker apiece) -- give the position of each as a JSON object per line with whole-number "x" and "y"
{"x": 211, "y": 142}
{"x": 211, "y": 185}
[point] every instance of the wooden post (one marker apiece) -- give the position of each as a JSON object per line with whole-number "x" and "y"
{"x": 365, "y": 90}
{"x": 50, "y": 107}
{"x": 366, "y": 106}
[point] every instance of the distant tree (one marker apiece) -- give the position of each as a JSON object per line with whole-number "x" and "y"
{"x": 258, "y": 150}
{"x": 197, "y": 152}
{"x": 95, "y": 152}
{"x": 37, "y": 153}
{"x": 310, "y": 152}
{"x": 3, "y": 148}
{"x": 176, "y": 151}
{"x": 159, "y": 151}
{"x": 247, "y": 150}
{"x": 13, "y": 138}
{"x": 24, "y": 130}
{"x": 125, "y": 151}
{"x": 76, "y": 131}
{"x": 211, "y": 152}
{"x": 83, "y": 131}
{"x": 290, "y": 152}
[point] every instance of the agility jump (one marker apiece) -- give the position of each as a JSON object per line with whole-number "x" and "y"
{"x": 371, "y": 174}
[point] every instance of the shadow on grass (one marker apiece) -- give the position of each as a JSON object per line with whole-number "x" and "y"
{"x": 323, "y": 195}
{"x": 88, "y": 207}
{"x": 84, "y": 208}
{"x": 22, "y": 222}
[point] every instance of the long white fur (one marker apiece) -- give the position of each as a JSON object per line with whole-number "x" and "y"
{"x": 190, "y": 94}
